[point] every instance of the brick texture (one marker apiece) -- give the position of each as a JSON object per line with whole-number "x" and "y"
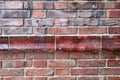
{"x": 59, "y": 39}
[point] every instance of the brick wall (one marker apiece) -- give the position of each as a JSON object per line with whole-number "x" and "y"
{"x": 60, "y": 40}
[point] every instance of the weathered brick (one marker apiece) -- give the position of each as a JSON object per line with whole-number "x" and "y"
{"x": 110, "y": 54}
{"x": 91, "y": 63}
{"x": 114, "y": 14}
{"x": 40, "y": 31}
{"x": 91, "y": 78}
{"x": 85, "y": 5}
{"x": 113, "y": 63}
{"x": 17, "y": 64}
{"x": 17, "y": 78}
{"x": 38, "y": 4}
{"x": 41, "y": 63}
{"x": 61, "y": 31}
{"x": 61, "y": 5}
{"x": 81, "y": 43}
{"x": 93, "y": 30}
{"x": 39, "y": 22}
{"x": 61, "y": 14}
{"x": 83, "y": 22}
{"x": 48, "y": 5}
{"x": 109, "y": 21}
{"x": 39, "y": 14}
{"x": 32, "y": 43}
{"x": 61, "y": 55}
{"x": 87, "y": 71}
{"x": 111, "y": 42}
{"x": 11, "y": 4}
{"x": 62, "y": 71}
{"x": 111, "y": 5}
{"x": 113, "y": 78}
{"x": 17, "y": 30}
{"x": 114, "y": 30}
{"x": 110, "y": 71}
{"x": 11, "y": 56}
{"x": 11, "y": 22}
{"x": 57, "y": 64}
{"x": 15, "y": 14}
{"x": 4, "y": 45}
{"x": 84, "y": 55}
{"x": 61, "y": 22}
{"x": 62, "y": 78}
{"x": 39, "y": 78}
{"x": 11, "y": 72}
{"x": 39, "y": 72}
{"x": 39, "y": 56}
{"x": 91, "y": 14}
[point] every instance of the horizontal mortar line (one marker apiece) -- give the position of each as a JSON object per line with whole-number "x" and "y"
{"x": 62, "y": 35}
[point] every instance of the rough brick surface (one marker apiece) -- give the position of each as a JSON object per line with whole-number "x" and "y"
{"x": 60, "y": 40}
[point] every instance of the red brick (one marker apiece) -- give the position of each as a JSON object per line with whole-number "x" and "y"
{"x": 91, "y": 78}
{"x": 61, "y": 5}
{"x": 38, "y": 4}
{"x": 91, "y": 63}
{"x": 111, "y": 43}
{"x": 39, "y": 14}
{"x": 110, "y": 54}
{"x": 11, "y": 22}
{"x": 110, "y": 71}
{"x": 84, "y": 55}
{"x": 41, "y": 63}
{"x": 17, "y": 64}
{"x": 32, "y": 43}
{"x": 0, "y": 64}
{"x": 11, "y": 72}
{"x": 92, "y": 30}
{"x": 114, "y": 14}
{"x": 62, "y": 71}
{"x": 61, "y": 14}
{"x": 114, "y": 30}
{"x": 62, "y": 78}
{"x": 57, "y": 64}
{"x": 61, "y": 55}
{"x": 66, "y": 31}
{"x": 93, "y": 71}
{"x": 17, "y": 78}
{"x": 11, "y": 56}
{"x": 113, "y": 63}
{"x": 38, "y": 56}
{"x": 48, "y": 5}
{"x": 39, "y": 78}
{"x": 39, "y": 72}
{"x": 113, "y": 78}
{"x": 78, "y": 43}
{"x": 61, "y": 22}
{"x": 11, "y": 5}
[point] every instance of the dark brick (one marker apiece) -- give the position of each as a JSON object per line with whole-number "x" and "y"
{"x": 4, "y": 45}
{"x": 16, "y": 14}
{"x": 114, "y": 30}
{"x": 109, "y": 21}
{"x": 83, "y": 43}
{"x": 32, "y": 43}
{"x": 83, "y": 22}
{"x": 91, "y": 13}
{"x": 111, "y": 43}
{"x": 39, "y": 22}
